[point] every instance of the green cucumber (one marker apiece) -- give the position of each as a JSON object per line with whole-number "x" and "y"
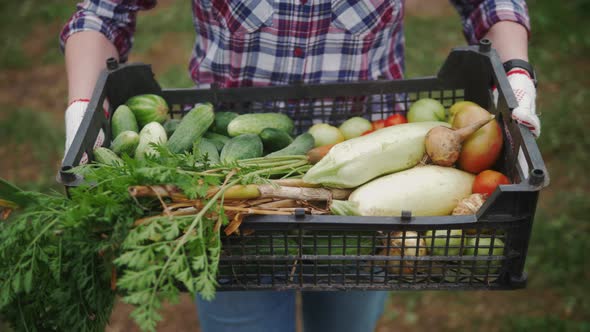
{"x": 217, "y": 139}
{"x": 125, "y": 143}
{"x": 194, "y": 124}
{"x": 123, "y": 120}
{"x": 103, "y": 155}
{"x": 255, "y": 123}
{"x": 170, "y": 126}
{"x": 152, "y": 132}
{"x": 301, "y": 144}
{"x": 148, "y": 108}
{"x": 242, "y": 147}
{"x": 275, "y": 139}
{"x": 222, "y": 120}
{"x": 205, "y": 147}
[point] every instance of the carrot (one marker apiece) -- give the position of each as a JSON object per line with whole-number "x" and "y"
{"x": 316, "y": 154}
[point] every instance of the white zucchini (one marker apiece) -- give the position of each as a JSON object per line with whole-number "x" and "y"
{"x": 358, "y": 160}
{"x": 423, "y": 190}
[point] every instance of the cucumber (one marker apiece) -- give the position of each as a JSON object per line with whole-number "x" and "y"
{"x": 103, "y": 155}
{"x": 255, "y": 123}
{"x": 242, "y": 147}
{"x": 205, "y": 147}
{"x": 217, "y": 139}
{"x": 274, "y": 139}
{"x": 194, "y": 124}
{"x": 148, "y": 108}
{"x": 125, "y": 143}
{"x": 300, "y": 146}
{"x": 222, "y": 120}
{"x": 171, "y": 125}
{"x": 152, "y": 132}
{"x": 123, "y": 120}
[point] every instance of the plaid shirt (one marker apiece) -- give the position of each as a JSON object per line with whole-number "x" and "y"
{"x": 265, "y": 42}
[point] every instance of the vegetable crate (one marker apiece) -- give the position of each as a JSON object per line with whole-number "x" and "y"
{"x": 324, "y": 252}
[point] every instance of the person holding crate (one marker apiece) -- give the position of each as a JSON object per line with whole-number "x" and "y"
{"x": 264, "y": 42}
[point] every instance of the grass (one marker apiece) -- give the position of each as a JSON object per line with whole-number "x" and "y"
{"x": 38, "y": 141}
{"x": 561, "y": 231}
{"x": 151, "y": 26}
{"x": 550, "y": 323}
{"x": 428, "y": 43}
{"x": 16, "y": 18}
{"x": 175, "y": 77}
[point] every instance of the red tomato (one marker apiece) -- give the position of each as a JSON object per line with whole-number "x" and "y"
{"x": 487, "y": 181}
{"x": 395, "y": 120}
{"x": 378, "y": 124}
{"x": 368, "y": 132}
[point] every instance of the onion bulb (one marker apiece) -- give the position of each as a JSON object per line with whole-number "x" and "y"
{"x": 411, "y": 248}
{"x": 469, "y": 205}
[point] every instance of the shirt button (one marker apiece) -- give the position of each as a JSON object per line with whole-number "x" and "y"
{"x": 298, "y": 52}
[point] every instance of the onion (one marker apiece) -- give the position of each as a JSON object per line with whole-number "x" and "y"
{"x": 443, "y": 145}
{"x": 439, "y": 238}
{"x": 324, "y": 134}
{"x": 354, "y": 127}
{"x": 469, "y": 205}
{"x": 411, "y": 248}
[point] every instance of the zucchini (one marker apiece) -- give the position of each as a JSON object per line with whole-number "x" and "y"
{"x": 217, "y": 139}
{"x": 425, "y": 191}
{"x": 152, "y": 132}
{"x": 125, "y": 143}
{"x": 358, "y": 160}
{"x": 205, "y": 147}
{"x": 103, "y": 155}
{"x": 123, "y": 120}
{"x": 222, "y": 120}
{"x": 242, "y": 147}
{"x": 194, "y": 124}
{"x": 148, "y": 108}
{"x": 171, "y": 125}
{"x": 255, "y": 123}
{"x": 275, "y": 139}
{"x": 301, "y": 144}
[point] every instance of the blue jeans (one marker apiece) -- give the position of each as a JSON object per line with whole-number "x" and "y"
{"x": 270, "y": 311}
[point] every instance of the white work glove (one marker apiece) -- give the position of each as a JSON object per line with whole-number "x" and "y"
{"x": 525, "y": 93}
{"x": 74, "y": 115}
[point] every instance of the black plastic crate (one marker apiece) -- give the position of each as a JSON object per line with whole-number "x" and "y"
{"x": 311, "y": 252}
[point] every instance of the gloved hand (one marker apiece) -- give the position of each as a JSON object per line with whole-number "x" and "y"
{"x": 526, "y": 93}
{"x": 74, "y": 115}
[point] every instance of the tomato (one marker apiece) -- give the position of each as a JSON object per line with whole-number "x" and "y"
{"x": 379, "y": 124}
{"x": 487, "y": 181}
{"x": 395, "y": 120}
{"x": 368, "y": 132}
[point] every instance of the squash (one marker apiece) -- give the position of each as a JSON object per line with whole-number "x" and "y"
{"x": 424, "y": 190}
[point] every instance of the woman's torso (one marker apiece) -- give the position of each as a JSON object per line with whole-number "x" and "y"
{"x": 266, "y": 42}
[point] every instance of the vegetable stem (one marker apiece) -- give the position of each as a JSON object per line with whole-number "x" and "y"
{"x": 472, "y": 128}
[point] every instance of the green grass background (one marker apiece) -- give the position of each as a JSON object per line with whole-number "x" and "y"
{"x": 557, "y": 296}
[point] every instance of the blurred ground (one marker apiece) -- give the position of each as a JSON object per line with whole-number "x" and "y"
{"x": 33, "y": 98}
